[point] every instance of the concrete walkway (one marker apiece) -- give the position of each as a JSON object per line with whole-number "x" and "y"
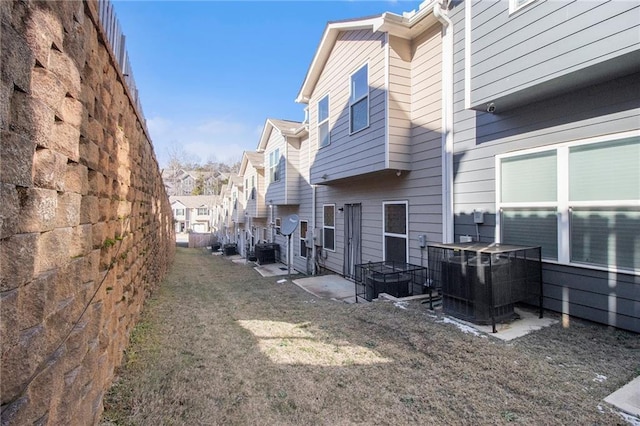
{"x": 330, "y": 287}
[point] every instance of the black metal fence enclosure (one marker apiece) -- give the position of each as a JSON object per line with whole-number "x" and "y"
{"x": 394, "y": 278}
{"x": 481, "y": 283}
{"x": 267, "y": 253}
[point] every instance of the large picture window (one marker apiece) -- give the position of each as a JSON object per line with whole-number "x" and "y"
{"x": 324, "y": 136}
{"x": 359, "y": 100}
{"x": 395, "y": 233}
{"x": 329, "y": 227}
{"x": 579, "y": 201}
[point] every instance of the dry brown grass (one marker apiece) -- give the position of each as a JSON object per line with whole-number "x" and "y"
{"x": 218, "y": 344}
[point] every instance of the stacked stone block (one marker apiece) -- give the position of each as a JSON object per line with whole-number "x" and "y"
{"x": 86, "y": 230}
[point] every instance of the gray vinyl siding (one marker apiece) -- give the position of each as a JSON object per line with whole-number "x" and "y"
{"x": 291, "y": 175}
{"x": 549, "y": 46}
{"x": 608, "y": 107}
{"x": 422, "y": 186}
{"x": 364, "y": 151}
{"x": 275, "y": 191}
{"x": 399, "y": 103}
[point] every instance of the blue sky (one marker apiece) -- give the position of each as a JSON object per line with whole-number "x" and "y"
{"x": 210, "y": 73}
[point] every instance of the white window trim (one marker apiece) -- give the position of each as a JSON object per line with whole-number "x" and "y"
{"x": 351, "y": 103}
{"x": 326, "y": 120}
{"x": 278, "y": 225}
{"x": 329, "y": 227}
{"x": 390, "y": 234}
{"x": 515, "y": 7}
{"x": 274, "y": 167}
{"x": 563, "y": 205}
{"x": 302, "y": 237}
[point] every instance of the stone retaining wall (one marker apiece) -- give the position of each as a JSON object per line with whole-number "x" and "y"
{"x": 86, "y": 229}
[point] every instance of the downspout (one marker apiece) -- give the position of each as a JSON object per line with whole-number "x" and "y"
{"x": 313, "y": 227}
{"x": 440, "y": 12}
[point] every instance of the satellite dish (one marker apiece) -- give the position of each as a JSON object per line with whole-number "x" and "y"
{"x": 289, "y": 225}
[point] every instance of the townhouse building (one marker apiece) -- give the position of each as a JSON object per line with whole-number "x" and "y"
{"x": 497, "y": 122}
{"x": 375, "y": 138}
{"x": 545, "y": 135}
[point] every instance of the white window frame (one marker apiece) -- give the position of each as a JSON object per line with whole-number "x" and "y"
{"x": 202, "y": 208}
{"x": 303, "y": 237}
{"x": 278, "y": 225}
{"x": 324, "y": 121}
{"x": 563, "y": 204}
{"x": 515, "y": 6}
{"x": 324, "y": 227}
{"x": 178, "y": 210}
{"x": 391, "y": 234}
{"x": 352, "y": 102}
{"x": 274, "y": 160}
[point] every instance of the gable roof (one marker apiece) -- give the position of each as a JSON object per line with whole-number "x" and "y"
{"x": 256, "y": 158}
{"x": 194, "y": 201}
{"x": 285, "y": 127}
{"x": 408, "y": 26}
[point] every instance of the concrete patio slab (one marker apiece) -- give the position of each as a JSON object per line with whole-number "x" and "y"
{"x": 527, "y": 323}
{"x": 329, "y": 287}
{"x": 274, "y": 269}
{"x": 627, "y": 398}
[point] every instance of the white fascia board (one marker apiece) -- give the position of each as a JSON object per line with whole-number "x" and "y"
{"x": 264, "y": 137}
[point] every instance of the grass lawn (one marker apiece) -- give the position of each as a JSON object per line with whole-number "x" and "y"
{"x": 219, "y": 344}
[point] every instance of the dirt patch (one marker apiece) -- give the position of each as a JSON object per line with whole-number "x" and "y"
{"x": 218, "y": 344}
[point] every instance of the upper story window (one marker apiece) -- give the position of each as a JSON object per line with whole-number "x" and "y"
{"x": 203, "y": 211}
{"x": 515, "y": 5}
{"x": 579, "y": 201}
{"x": 274, "y": 161}
{"x": 179, "y": 212}
{"x": 324, "y": 136}
{"x": 253, "y": 187}
{"x": 246, "y": 187}
{"x": 359, "y": 100}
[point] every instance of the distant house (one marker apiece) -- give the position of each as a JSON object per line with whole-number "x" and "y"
{"x": 193, "y": 213}
{"x": 546, "y": 143}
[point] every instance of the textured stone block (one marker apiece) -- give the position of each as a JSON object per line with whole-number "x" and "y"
{"x": 89, "y": 154}
{"x": 91, "y": 271}
{"x": 70, "y": 111}
{"x": 38, "y": 209}
{"x": 81, "y": 243}
{"x": 68, "y": 214}
{"x": 76, "y": 178}
{"x": 17, "y": 260}
{"x": 65, "y": 138}
{"x": 17, "y": 58}
{"x": 46, "y": 86}
{"x": 89, "y": 209}
{"x": 67, "y": 71}
{"x": 9, "y": 209}
{"x": 43, "y": 31}
{"x": 31, "y": 117}
{"x": 9, "y": 313}
{"x": 49, "y": 169}
{"x": 49, "y": 255}
{"x": 104, "y": 209}
{"x": 16, "y": 159}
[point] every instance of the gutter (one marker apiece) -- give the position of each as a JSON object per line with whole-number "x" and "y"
{"x": 441, "y": 13}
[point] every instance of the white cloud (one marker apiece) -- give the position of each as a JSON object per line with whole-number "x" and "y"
{"x": 220, "y": 138}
